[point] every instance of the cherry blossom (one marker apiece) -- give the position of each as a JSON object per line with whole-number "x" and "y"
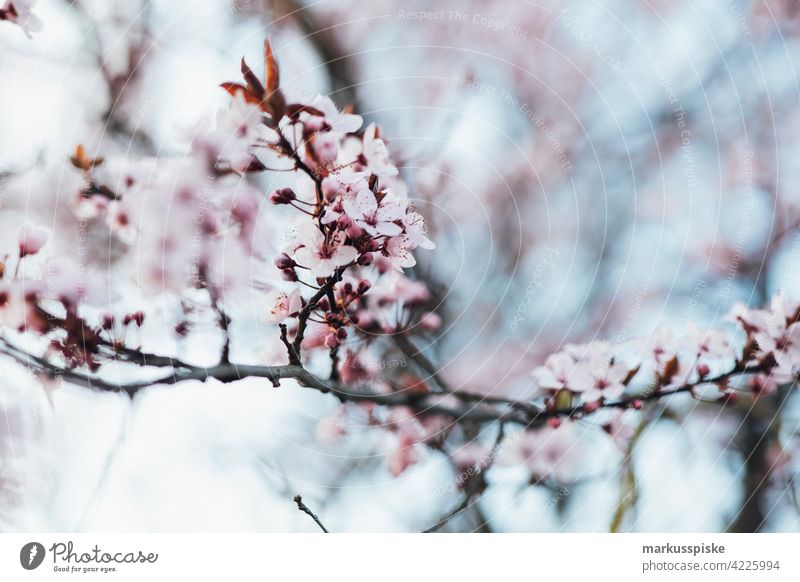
{"x": 281, "y": 305}
{"x": 378, "y": 218}
{"x": 562, "y": 372}
{"x": 31, "y": 239}
{"x": 322, "y": 253}
{"x": 775, "y": 332}
{"x": 377, "y": 154}
{"x": 338, "y": 121}
{"x": 20, "y": 12}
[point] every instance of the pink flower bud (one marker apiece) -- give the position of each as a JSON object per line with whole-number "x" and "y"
{"x": 365, "y": 260}
{"x": 108, "y": 321}
{"x": 344, "y": 222}
{"x": 363, "y": 286}
{"x": 282, "y": 196}
{"x": 284, "y": 261}
{"x": 430, "y": 322}
{"x": 554, "y": 422}
{"x": 589, "y": 407}
{"x": 31, "y": 239}
{"x": 354, "y": 231}
{"x": 331, "y": 341}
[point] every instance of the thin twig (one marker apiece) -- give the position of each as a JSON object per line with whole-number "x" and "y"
{"x": 304, "y": 508}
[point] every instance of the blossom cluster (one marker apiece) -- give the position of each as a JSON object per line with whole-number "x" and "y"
{"x": 196, "y": 223}
{"x": 354, "y": 220}
{"x": 592, "y": 375}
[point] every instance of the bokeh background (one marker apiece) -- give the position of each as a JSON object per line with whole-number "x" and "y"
{"x": 587, "y": 169}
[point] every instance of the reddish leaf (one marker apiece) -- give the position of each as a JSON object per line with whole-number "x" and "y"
{"x": 235, "y": 88}
{"x": 271, "y": 67}
{"x": 80, "y": 161}
{"x": 293, "y": 110}
{"x": 253, "y": 84}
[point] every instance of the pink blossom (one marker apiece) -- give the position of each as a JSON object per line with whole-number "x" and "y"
{"x": 607, "y": 372}
{"x": 547, "y": 452}
{"x": 325, "y": 147}
{"x": 239, "y": 129}
{"x": 31, "y": 239}
{"x": 776, "y": 333}
{"x": 18, "y": 305}
{"x": 378, "y": 218}
{"x": 120, "y": 222}
{"x": 403, "y": 456}
{"x": 66, "y": 281}
{"x": 322, "y": 253}
{"x": 376, "y": 153}
{"x": 338, "y": 121}
{"x": 398, "y": 251}
{"x": 562, "y": 372}
{"x": 20, "y": 13}
{"x": 281, "y": 305}
{"x": 414, "y": 226}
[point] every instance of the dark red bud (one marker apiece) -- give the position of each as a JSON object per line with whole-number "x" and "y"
{"x": 344, "y": 222}
{"x": 284, "y": 261}
{"x": 282, "y": 196}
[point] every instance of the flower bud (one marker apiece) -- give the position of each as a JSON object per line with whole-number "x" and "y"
{"x": 31, "y": 239}
{"x": 331, "y": 341}
{"x": 554, "y": 422}
{"x": 354, "y": 231}
{"x": 284, "y": 261}
{"x": 363, "y": 286}
{"x": 138, "y": 318}
{"x": 430, "y": 321}
{"x": 282, "y": 196}
{"x": 344, "y": 222}
{"x": 589, "y": 407}
{"x": 365, "y": 260}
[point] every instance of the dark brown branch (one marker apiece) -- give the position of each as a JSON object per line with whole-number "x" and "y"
{"x": 466, "y": 406}
{"x": 304, "y": 508}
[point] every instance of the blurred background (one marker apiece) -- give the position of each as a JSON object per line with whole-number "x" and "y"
{"x": 587, "y": 169}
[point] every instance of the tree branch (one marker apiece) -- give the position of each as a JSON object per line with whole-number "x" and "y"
{"x": 304, "y": 508}
{"x": 459, "y": 406}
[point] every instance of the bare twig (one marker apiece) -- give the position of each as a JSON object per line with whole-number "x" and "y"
{"x": 304, "y": 508}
